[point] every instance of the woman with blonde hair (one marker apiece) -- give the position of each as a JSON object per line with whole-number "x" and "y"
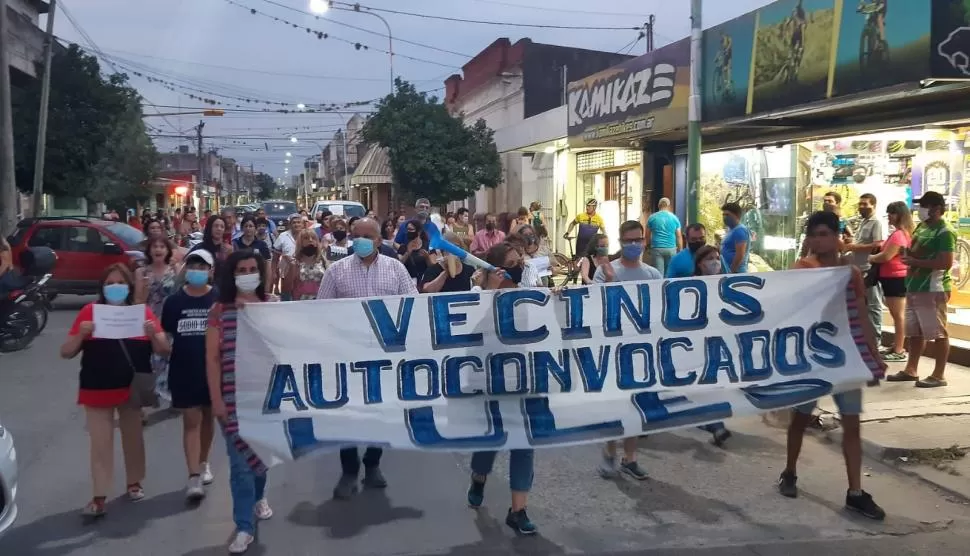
{"x": 892, "y": 273}
{"x": 302, "y": 280}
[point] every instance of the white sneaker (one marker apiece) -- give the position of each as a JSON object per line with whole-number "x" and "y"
{"x": 207, "y": 477}
{"x": 240, "y": 543}
{"x": 194, "y": 491}
{"x": 263, "y": 511}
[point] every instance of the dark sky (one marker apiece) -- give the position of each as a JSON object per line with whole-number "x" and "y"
{"x": 217, "y": 46}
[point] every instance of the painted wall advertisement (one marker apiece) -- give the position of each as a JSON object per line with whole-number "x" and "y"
{"x": 640, "y": 97}
{"x": 951, "y": 39}
{"x": 794, "y": 52}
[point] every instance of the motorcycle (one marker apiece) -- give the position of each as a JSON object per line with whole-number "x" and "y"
{"x": 18, "y": 322}
{"x": 38, "y": 299}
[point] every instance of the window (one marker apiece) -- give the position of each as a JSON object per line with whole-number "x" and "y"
{"x": 129, "y": 235}
{"x": 49, "y": 237}
{"x": 83, "y": 240}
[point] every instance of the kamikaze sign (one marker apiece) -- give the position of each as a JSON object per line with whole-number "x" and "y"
{"x": 641, "y": 97}
{"x": 526, "y": 368}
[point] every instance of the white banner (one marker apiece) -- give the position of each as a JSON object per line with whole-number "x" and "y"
{"x": 526, "y": 368}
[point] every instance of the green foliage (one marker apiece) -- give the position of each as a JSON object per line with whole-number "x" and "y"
{"x": 774, "y": 48}
{"x": 265, "y": 187}
{"x": 97, "y": 147}
{"x": 433, "y": 154}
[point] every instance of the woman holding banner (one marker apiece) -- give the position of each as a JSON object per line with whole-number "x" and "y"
{"x": 508, "y": 274}
{"x": 707, "y": 262}
{"x": 243, "y": 281}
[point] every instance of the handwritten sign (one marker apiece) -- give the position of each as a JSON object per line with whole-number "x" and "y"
{"x": 115, "y": 322}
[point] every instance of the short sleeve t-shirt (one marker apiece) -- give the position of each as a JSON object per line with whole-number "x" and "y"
{"x": 928, "y": 242}
{"x": 460, "y": 283}
{"x": 894, "y": 268}
{"x": 625, "y": 274}
{"x": 681, "y": 265}
{"x": 186, "y": 318}
{"x": 870, "y": 231}
{"x": 729, "y": 247}
{"x": 663, "y": 229}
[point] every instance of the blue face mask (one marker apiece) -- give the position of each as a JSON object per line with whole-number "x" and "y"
{"x": 363, "y": 247}
{"x": 115, "y": 294}
{"x": 632, "y": 251}
{"x": 196, "y": 277}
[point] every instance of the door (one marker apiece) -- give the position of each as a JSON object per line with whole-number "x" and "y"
{"x": 616, "y": 190}
{"x": 86, "y": 251}
{"x": 52, "y": 237}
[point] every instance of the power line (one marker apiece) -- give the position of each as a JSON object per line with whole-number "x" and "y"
{"x": 560, "y": 10}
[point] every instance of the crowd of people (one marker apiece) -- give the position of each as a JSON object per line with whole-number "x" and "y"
{"x": 192, "y": 296}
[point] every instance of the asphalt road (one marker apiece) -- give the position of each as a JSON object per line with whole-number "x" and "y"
{"x": 699, "y": 500}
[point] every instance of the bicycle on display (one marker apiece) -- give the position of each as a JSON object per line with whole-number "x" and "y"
{"x": 962, "y": 263}
{"x": 723, "y": 84}
{"x": 873, "y": 49}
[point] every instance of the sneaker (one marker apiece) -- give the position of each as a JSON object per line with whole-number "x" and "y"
{"x": 476, "y": 493}
{"x": 721, "y": 436}
{"x": 135, "y": 492}
{"x": 240, "y": 543}
{"x": 607, "y": 467}
{"x": 94, "y": 509}
{"x": 374, "y": 478}
{"x": 262, "y": 510}
{"x": 787, "y": 484}
{"x": 194, "y": 491}
{"x": 207, "y": 477}
{"x": 520, "y": 523}
{"x": 894, "y": 357}
{"x": 885, "y": 349}
{"x": 864, "y": 504}
{"x": 346, "y": 487}
{"x": 634, "y": 470}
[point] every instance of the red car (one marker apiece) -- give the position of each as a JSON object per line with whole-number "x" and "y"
{"x": 85, "y": 246}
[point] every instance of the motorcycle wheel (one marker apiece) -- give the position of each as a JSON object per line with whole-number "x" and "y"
{"x": 39, "y": 309}
{"x": 17, "y": 330}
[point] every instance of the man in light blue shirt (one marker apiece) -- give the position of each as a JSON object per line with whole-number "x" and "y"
{"x": 734, "y": 246}
{"x": 665, "y": 236}
{"x": 628, "y": 268}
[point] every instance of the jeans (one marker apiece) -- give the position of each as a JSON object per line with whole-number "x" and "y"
{"x": 848, "y": 403}
{"x": 521, "y": 464}
{"x": 246, "y": 488}
{"x": 874, "y": 303}
{"x": 350, "y": 459}
{"x": 660, "y": 258}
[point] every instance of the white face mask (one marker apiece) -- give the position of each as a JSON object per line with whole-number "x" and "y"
{"x": 711, "y": 266}
{"x": 924, "y": 214}
{"x": 247, "y": 283}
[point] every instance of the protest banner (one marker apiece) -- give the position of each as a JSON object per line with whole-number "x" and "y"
{"x": 526, "y": 368}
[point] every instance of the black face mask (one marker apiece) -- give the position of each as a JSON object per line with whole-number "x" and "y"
{"x": 694, "y": 245}
{"x": 865, "y": 213}
{"x": 515, "y": 273}
{"x": 412, "y": 236}
{"x": 309, "y": 251}
{"x": 530, "y": 240}
{"x": 490, "y": 226}
{"x": 339, "y": 235}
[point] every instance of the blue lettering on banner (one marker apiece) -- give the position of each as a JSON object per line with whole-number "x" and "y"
{"x": 453, "y": 367}
{"x": 717, "y": 358}
{"x": 574, "y": 314}
{"x": 504, "y": 308}
{"x": 544, "y": 364}
{"x": 824, "y": 352}
{"x": 542, "y": 431}
{"x": 442, "y": 319}
{"x": 371, "y": 371}
{"x": 750, "y": 307}
{"x": 283, "y": 387}
{"x": 786, "y": 394}
{"x": 626, "y": 368}
{"x": 313, "y": 380}
{"x": 655, "y": 415}
{"x": 782, "y": 364}
{"x": 424, "y": 433}
{"x": 593, "y": 369}
{"x": 391, "y": 333}
{"x": 302, "y": 440}
{"x": 407, "y": 386}
{"x": 673, "y": 294}
{"x": 496, "y": 373}
{"x": 617, "y": 300}
{"x": 749, "y": 342}
{"x": 668, "y": 371}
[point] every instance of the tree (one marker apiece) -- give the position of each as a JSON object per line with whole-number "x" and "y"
{"x": 432, "y": 153}
{"x": 97, "y": 146}
{"x": 265, "y": 186}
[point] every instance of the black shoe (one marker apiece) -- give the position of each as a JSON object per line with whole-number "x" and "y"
{"x": 476, "y": 493}
{"x": 864, "y": 504}
{"x": 373, "y": 478}
{"x": 787, "y": 484}
{"x": 519, "y": 521}
{"x": 346, "y": 487}
{"x": 721, "y": 436}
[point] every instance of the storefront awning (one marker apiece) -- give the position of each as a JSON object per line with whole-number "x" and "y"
{"x": 375, "y": 169}
{"x": 534, "y": 134}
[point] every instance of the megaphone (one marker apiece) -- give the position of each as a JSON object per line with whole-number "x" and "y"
{"x": 435, "y": 241}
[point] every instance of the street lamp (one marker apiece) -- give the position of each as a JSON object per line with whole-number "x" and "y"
{"x": 289, "y": 154}
{"x": 320, "y": 7}
{"x": 293, "y": 139}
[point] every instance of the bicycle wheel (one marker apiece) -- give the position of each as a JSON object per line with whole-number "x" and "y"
{"x": 963, "y": 263}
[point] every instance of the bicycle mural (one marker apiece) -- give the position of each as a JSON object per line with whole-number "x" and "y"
{"x": 727, "y": 62}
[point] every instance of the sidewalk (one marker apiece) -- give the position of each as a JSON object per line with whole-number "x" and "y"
{"x": 922, "y": 432}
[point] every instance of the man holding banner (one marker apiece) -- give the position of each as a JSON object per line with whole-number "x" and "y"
{"x": 366, "y": 274}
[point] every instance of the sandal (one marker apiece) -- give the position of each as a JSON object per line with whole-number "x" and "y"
{"x": 895, "y": 357}
{"x": 94, "y": 508}
{"x": 135, "y": 492}
{"x": 930, "y": 382}
{"x": 902, "y": 376}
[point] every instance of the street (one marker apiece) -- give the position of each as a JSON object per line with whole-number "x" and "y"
{"x": 699, "y": 499}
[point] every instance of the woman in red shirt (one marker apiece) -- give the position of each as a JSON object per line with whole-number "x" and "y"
{"x": 892, "y": 272}
{"x": 109, "y": 368}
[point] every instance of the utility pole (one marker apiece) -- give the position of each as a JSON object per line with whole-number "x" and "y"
{"x": 694, "y": 115}
{"x": 648, "y": 32}
{"x": 8, "y": 180}
{"x": 198, "y": 134}
{"x": 45, "y": 95}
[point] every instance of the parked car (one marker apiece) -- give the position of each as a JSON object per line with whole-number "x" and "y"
{"x": 279, "y": 211}
{"x": 8, "y": 480}
{"x": 84, "y": 245}
{"x": 343, "y": 209}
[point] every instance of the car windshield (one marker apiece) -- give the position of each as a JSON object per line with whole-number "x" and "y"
{"x": 279, "y": 209}
{"x": 341, "y": 209}
{"x": 131, "y": 236}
